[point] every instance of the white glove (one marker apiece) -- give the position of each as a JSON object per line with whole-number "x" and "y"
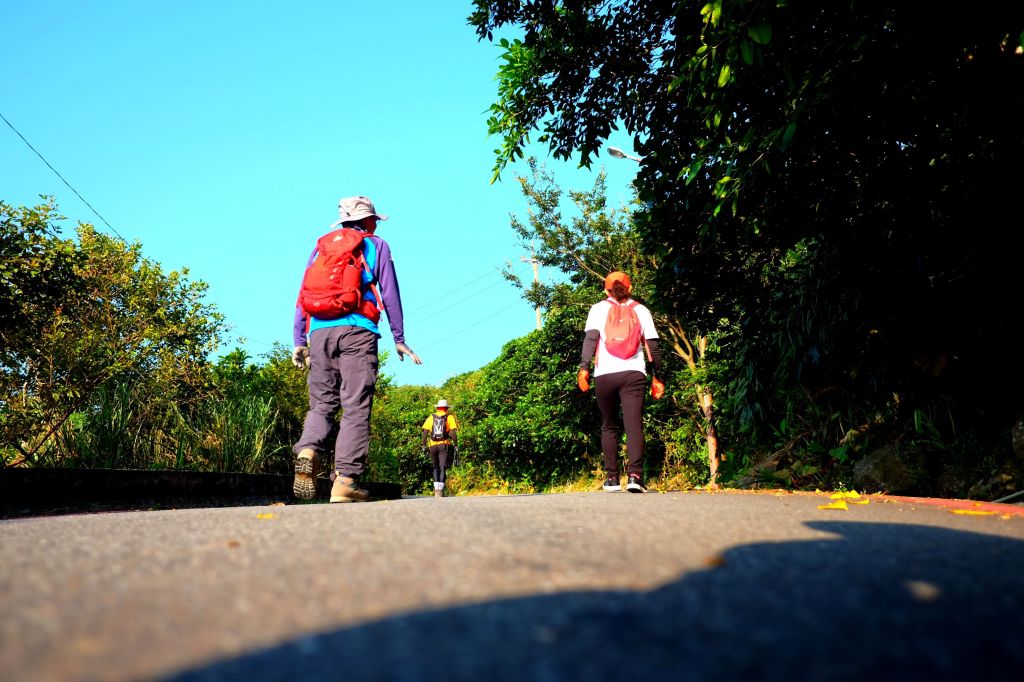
{"x": 300, "y": 357}
{"x": 404, "y": 350}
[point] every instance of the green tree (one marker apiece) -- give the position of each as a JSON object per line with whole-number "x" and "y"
{"x": 104, "y": 316}
{"x": 36, "y": 269}
{"x": 830, "y": 186}
{"x": 273, "y": 378}
{"x": 526, "y": 426}
{"x": 398, "y": 414}
{"x": 597, "y": 240}
{"x": 526, "y": 417}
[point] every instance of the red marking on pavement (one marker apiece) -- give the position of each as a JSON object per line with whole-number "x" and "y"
{"x": 973, "y": 505}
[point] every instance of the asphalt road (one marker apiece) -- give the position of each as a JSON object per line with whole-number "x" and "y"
{"x": 585, "y": 586}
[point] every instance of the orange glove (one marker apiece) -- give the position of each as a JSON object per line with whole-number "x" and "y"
{"x": 657, "y": 388}
{"x": 583, "y": 380}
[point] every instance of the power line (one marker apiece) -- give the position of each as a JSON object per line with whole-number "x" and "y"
{"x": 478, "y": 322}
{"x": 460, "y": 302}
{"x": 245, "y": 339}
{"x": 419, "y": 318}
{"x": 472, "y": 281}
{"x": 48, "y": 165}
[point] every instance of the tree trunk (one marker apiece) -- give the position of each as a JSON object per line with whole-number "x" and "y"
{"x": 712, "y": 437}
{"x": 684, "y": 349}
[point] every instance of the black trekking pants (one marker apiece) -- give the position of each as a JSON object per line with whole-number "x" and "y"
{"x": 625, "y": 391}
{"x": 439, "y": 458}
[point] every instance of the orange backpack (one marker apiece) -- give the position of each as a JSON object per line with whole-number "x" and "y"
{"x": 622, "y": 331}
{"x": 333, "y": 284}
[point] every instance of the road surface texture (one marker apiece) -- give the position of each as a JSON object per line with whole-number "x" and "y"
{"x": 587, "y": 586}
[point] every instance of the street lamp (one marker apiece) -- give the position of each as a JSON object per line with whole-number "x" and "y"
{"x": 619, "y": 154}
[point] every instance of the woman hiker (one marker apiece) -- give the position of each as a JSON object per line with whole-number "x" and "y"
{"x": 619, "y": 332}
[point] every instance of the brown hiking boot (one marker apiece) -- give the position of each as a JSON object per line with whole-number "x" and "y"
{"x": 345, "y": 489}
{"x": 304, "y": 486}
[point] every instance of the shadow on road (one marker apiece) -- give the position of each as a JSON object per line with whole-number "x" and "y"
{"x": 879, "y": 601}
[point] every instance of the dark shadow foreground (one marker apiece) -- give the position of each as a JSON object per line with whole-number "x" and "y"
{"x": 41, "y": 492}
{"x": 881, "y": 602}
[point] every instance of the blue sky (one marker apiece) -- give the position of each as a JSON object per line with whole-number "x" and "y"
{"x": 221, "y": 136}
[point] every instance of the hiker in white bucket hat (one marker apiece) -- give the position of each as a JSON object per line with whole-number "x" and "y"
{"x": 335, "y": 334}
{"x": 440, "y": 442}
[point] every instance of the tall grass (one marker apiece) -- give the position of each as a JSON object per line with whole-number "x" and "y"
{"x": 117, "y": 431}
{"x": 108, "y": 435}
{"x": 237, "y": 434}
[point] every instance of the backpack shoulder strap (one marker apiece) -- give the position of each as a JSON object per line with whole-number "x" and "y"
{"x": 373, "y": 279}
{"x": 643, "y": 338}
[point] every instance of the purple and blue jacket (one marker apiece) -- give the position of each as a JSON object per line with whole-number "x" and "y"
{"x": 378, "y": 258}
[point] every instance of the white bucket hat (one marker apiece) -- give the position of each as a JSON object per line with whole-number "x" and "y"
{"x": 442, "y": 403}
{"x": 351, "y": 209}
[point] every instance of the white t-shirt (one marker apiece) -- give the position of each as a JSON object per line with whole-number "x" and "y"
{"x": 608, "y": 363}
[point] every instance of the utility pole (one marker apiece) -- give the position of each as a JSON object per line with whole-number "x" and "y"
{"x": 532, "y": 260}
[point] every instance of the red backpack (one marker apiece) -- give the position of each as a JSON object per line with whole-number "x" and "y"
{"x": 622, "y": 332}
{"x": 332, "y": 285}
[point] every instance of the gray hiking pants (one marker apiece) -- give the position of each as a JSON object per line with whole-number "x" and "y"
{"x": 342, "y": 375}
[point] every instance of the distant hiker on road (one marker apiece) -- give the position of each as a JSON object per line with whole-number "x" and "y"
{"x": 618, "y": 332}
{"x": 441, "y": 442}
{"x": 349, "y": 280}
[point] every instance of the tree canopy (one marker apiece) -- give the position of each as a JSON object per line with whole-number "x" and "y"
{"x": 81, "y": 314}
{"x": 830, "y": 187}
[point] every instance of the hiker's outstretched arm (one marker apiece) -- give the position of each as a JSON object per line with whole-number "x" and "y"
{"x": 299, "y": 327}
{"x": 589, "y": 347}
{"x": 299, "y": 324}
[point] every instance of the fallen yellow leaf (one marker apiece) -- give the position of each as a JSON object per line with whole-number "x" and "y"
{"x": 972, "y": 512}
{"x": 841, "y": 504}
{"x": 860, "y": 501}
{"x": 264, "y": 516}
{"x": 851, "y": 495}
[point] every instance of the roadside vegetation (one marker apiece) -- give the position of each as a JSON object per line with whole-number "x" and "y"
{"x": 826, "y": 226}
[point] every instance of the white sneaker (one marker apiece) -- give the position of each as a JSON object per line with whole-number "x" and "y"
{"x": 611, "y": 484}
